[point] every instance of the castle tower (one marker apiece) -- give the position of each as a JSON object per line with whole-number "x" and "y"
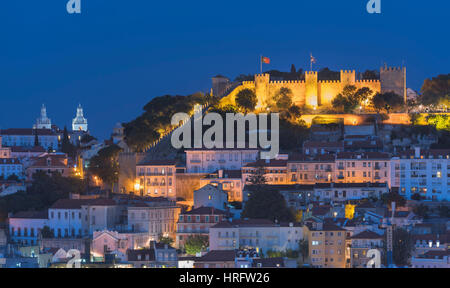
{"x": 43, "y": 122}
{"x": 219, "y": 85}
{"x": 79, "y": 123}
{"x": 348, "y": 77}
{"x": 311, "y": 93}
{"x": 393, "y": 79}
{"x": 262, "y": 89}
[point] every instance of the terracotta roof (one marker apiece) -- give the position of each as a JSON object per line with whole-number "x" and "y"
{"x": 77, "y": 203}
{"x": 31, "y": 215}
{"x": 245, "y": 223}
{"x": 426, "y": 153}
{"x": 218, "y": 256}
{"x": 363, "y": 155}
{"x": 132, "y": 255}
{"x": 55, "y": 161}
{"x": 323, "y": 144}
{"x": 22, "y": 149}
{"x": 157, "y": 163}
{"x": 368, "y": 235}
{"x": 312, "y": 158}
{"x": 350, "y": 185}
{"x": 272, "y": 163}
{"x": 206, "y": 211}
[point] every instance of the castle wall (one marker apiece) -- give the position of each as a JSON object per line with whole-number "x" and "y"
{"x": 313, "y": 92}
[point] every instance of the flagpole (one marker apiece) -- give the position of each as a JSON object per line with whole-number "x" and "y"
{"x": 260, "y": 62}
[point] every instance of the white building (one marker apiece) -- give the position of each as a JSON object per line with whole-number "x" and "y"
{"x": 156, "y": 218}
{"x": 211, "y": 160}
{"x": 262, "y": 235}
{"x": 24, "y": 227}
{"x": 349, "y": 191}
{"x": 81, "y": 217}
{"x": 25, "y": 137}
{"x": 424, "y": 173}
{"x": 43, "y": 122}
{"x": 10, "y": 166}
{"x": 79, "y": 123}
{"x": 156, "y": 178}
{"x": 210, "y": 196}
{"x": 432, "y": 259}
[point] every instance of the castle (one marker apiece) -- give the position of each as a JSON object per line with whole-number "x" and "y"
{"x": 311, "y": 91}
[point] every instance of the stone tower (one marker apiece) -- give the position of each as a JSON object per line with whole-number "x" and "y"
{"x": 262, "y": 89}
{"x": 79, "y": 123}
{"x": 219, "y": 85}
{"x": 311, "y": 93}
{"x": 43, "y": 122}
{"x": 348, "y": 77}
{"x": 393, "y": 79}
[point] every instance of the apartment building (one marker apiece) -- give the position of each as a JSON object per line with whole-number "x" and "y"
{"x": 361, "y": 167}
{"x": 24, "y": 227}
{"x": 262, "y": 235}
{"x": 211, "y": 160}
{"x": 311, "y": 169}
{"x": 229, "y": 180}
{"x": 327, "y": 245}
{"x": 275, "y": 171}
{"x": 423, "y": 173}
{"x": 156, "y": 218}
{"x": 197, "y": 222}
{"x": 156, "y": 178}
{"x": 342, "y": 192}
{"x": 360, "y": 244}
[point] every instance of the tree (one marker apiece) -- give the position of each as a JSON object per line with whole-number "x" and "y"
{"x": 283, "y": 99}
{"x": 105, "y": 165}
{"x": 266, "y": 203}
{"x": 371, "y": 75}
{"x": 436, "y": 90}
{"x": 66, "y": 146}
{"x": 246, "y": 100}
{"x": 387, "y": 101}
{"x": 293, "y": 70}
{"x": 388, "y": 198}
{"x": 303, "y": 247}
{"x": 444, "y": 211}
{"x": 13, "y": 177}
{"x": 402, "y": 247}
{"x": 36, "y": 138}
{"x": 46, "y": 232}
{"x": 416, "y": 196}
{"x": 165, "y": 240}
{"x": 350, "y": 97}
{"x": 258, "y": 177}
{"x": 196, "y": 244}
{"x": 422, "y": 211}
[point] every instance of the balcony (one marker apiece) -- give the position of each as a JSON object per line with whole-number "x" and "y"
{"x": 341, "y": 167}
{"x": 329, "y": 169}
{"x": 196, "y": 161}
{"x": 376, "y": 167}
{"x": 340, "y": 177}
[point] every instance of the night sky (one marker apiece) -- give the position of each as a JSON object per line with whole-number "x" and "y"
{"x": 118, "y": 54}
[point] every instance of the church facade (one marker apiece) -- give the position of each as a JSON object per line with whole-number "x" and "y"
{"x": 314, "y": 92}
{"x": 79, "y": 123}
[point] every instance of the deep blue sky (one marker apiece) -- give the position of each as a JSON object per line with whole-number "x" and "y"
{"x": 118, "y": 54}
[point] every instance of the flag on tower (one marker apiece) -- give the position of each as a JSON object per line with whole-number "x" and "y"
{"x": 265, "y": 60}
{"x": 313, "y": 60}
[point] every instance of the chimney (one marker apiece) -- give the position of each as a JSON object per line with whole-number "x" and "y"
{"x": 417, "y": 152}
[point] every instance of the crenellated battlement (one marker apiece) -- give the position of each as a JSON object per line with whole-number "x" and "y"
{"x": 368, "y": 81}
{"x": 287, "y": 82}
{"x": 384, "y": 69}
{"x": 348, "y": 71}
{"x": 329, "y": 81}
{"x": 311, "y": 72}
{"x": 248, "y": 82}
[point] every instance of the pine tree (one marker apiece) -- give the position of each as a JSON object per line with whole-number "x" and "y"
{"x": 36, "y": 138}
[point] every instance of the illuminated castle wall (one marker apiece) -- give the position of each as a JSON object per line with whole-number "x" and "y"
{"x": 314, "y": 92}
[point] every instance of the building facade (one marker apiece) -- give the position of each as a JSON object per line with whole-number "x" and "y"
{"x": 156, "y": 178}
{"x": 212, "y": 160}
